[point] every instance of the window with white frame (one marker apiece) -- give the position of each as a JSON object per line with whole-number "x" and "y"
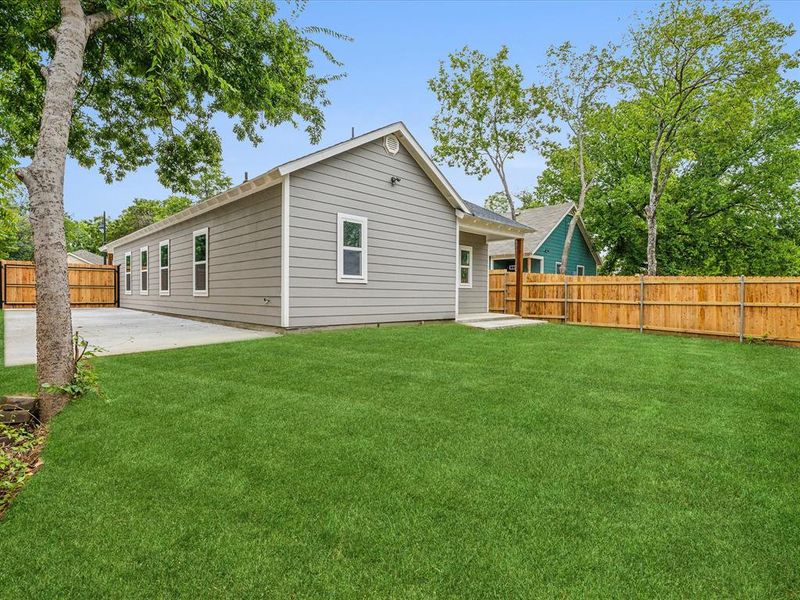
{"x": 351, "y": 249}
{"x": 143, "y": 270}
{"x": 200, "y": 262}
{"x": 465, "y": 267}
{"x": 163, "y": 268}
{"x": 558, "y": 267}
{"x": 580, "y": 270}
{"x": 128, "y": 273}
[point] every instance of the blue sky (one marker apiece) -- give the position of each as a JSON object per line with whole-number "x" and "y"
{"x": 396, "y": 49}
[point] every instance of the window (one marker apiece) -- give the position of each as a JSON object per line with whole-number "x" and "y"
{"x": 465, "y": 267}
{"x": 200, "y": 270}
{"x": 580, "y": 270}
{"x": 351, "y": 249}
{"x": 128, "y": 273}
{"x": 163, "y": 268}
{"x": 558, "y": 267}
{"x": 143, "y": 270}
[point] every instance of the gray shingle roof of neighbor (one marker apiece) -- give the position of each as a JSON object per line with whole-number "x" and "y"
{"x": 490, "y": 215}
{"x": 89, "y": 257}
{"x": 543, "y": 219}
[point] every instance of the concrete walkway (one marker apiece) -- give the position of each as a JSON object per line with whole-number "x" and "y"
{"x": 119, "y": 331}
{"x": 496, "y": 321}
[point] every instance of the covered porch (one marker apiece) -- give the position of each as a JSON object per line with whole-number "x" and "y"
{"x": 475, "y": 231}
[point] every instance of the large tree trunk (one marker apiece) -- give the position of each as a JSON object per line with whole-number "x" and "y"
{"x": 568, "y": 241}
{"x": 578, "y": 210}
{"x": 44, "y": 179}
{"x": 652, "y": 233}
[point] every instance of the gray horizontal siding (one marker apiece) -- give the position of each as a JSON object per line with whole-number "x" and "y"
{"x": 475, "y": 299}
{"x": 244, "y": 243}
{"x": 411, "y": 241}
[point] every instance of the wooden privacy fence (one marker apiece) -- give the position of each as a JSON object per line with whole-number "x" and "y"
{"x": 735, "y": 307}
{"x": 89, "y": 285}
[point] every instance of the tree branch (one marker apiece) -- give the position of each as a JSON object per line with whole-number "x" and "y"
{"x": 24, "y": 176}
{"x": 98, "y": 20}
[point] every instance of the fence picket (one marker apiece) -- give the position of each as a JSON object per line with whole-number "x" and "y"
{"x": 89, "y": 285}
{"x": 736, "y": 307}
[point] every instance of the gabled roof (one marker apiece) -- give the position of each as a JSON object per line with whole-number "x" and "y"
{"x": 275, "y": 175}
{"x": 88, "y": 257}
{"x": 544, "y": 219}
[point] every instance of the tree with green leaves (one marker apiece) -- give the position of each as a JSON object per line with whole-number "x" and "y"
{"x": 732, "y": 208}
{"x": 119, "y": 84}
{"x": 576, "y": 86}
{"x": 487, "y": 115}
{"x": 143, "y": 212}
{"x": 498, "y": 202}
{"x": 208, "y": 183}
{"x": 687, "y": 56}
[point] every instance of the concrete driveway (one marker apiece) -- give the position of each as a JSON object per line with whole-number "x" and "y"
{"x": 119, "y": 331}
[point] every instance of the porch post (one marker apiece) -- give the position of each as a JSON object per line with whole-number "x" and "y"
{"x": 518, "y": 269}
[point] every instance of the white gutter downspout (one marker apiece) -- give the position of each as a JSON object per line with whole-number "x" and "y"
{"x": 285, "y": 239}
{"x": 459, "y": 214}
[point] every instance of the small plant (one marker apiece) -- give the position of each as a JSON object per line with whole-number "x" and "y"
{"x": 758, "y": 340}
{"x": 85, "y": 379}
{"x": 19, "y": 458}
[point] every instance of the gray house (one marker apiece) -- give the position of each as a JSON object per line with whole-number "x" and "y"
{"x": 365, "y": 231}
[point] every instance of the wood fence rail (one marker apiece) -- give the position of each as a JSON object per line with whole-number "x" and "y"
{"x": 766, "y": 308}
{"x": 89, "y": 285}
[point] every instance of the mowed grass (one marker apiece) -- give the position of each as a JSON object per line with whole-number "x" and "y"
{"x": 417, "y": 462}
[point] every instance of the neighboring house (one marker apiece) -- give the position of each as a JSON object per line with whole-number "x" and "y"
{"x": 84, "y": 257}
{"x": 365, "y": 231}
{"x": 545, "y": 245}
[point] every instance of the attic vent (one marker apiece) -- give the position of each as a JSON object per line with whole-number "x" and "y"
{"x": 392, "y": 144}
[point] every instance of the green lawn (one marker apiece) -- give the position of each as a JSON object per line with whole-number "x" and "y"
{"x": 416, "y": 462}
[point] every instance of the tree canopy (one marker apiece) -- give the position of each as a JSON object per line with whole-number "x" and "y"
{"x": 487, "y": 114}
{"x": 699, "y": 152}
{"x": 156, "y": 73}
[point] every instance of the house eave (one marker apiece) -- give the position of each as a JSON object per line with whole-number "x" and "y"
{"x": 493, "y": 231}
{"x": 238, "y": 192}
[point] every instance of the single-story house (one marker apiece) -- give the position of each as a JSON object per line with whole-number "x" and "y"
{"x": 365, "y": 231}
{"x": 84, "y": 257}
{"x": 545, "y": 246}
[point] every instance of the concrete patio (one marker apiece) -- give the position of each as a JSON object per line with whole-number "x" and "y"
{"x": 120, "y": 331}
{"x": 496, "y": 321}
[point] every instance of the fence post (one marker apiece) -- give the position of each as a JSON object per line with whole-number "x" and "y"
{"x": 641, "y": 303}
{"x": 741, "y": 308}
{"x": 2, "y": 284}
{"x": 566, "y": 300}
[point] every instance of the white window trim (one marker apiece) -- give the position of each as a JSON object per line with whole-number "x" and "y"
{"x": 460, "y": 266}
{"x": 341, "y": 218}
{"x": 127, "y": 281}
{"x": 580, "y": 268}
{"x": 195, "y": 291}
{"x": 558, "y": 268}
{"x": 145, "y": 270}
{"x": 162, "y": 292}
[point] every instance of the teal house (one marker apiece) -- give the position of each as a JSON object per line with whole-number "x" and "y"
{"x": 544, "y": 247}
